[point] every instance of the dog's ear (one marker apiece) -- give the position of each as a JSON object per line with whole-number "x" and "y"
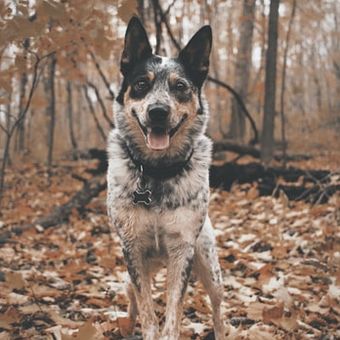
{"x": 195, "y": 55}
{"x": 136, "y": 47}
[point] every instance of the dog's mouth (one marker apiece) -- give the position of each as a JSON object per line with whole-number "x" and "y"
{"x": 158, "y": 137}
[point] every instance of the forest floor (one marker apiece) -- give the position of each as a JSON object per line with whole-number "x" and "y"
{"x": 280, "y": 262}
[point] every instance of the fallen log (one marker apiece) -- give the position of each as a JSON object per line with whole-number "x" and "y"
{"x": 61, "y": 214}
{"x": 81, "y": 198}
{"x": 314, "y": 186}
{"x": 250, "y": 150}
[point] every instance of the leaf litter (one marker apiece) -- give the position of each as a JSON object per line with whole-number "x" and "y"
{"x": 280, "y": 261}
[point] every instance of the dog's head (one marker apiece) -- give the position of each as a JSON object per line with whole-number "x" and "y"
{"x": 162, "y": 109}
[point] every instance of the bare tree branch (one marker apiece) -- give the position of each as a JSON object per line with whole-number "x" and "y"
{"x": 101, "y": 103}
{"x": 102, "y": 75}
{"x": 21, "y": 116}
{"x": 3, "y": 129}
{"x": 93, "y": 113}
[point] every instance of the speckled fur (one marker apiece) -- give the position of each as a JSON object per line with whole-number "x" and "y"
{"x": 174, "y": 230}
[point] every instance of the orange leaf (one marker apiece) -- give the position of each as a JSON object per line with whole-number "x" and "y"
{"x": 15, "y": 280}
{"x": 125, "y": 326}
{"x": 272, "y": 312}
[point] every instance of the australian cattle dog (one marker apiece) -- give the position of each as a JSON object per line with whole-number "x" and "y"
{"x": 158, "y": 185}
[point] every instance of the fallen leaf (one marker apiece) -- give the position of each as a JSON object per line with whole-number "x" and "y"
{"x": 15, "y": 280}
{"x": 87, "y": 331}
{"x": 272, "y": 312}
{"x": 125, "y": 326}
{"x": 10, "y": 316}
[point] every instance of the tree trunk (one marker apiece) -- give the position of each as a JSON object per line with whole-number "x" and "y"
{"x": 6, "y": 150}
{"x": 283, "y": 84}
{"x": 140, "y": 9}
{"x": 335, "y": 46}
{"x": 70, "y": 118}
{"x": 93, "y": 113}
{"x": 20, "y": 142}
{"x": 270, "y": 86}
{"x": 50, "y": 109}
{"x": 242, "y": 68}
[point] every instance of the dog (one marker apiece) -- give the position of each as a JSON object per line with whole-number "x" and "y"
{"x": 158, "y": 178}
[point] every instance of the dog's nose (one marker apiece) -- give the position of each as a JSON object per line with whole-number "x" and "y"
{"x": 158, "y": 113}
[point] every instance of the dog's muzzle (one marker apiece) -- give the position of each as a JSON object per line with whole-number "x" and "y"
{"x": 158, "y": 131}
{"x": 158, "y": 137}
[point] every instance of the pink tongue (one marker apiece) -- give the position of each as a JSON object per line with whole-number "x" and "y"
{"x": 158, "y": 141}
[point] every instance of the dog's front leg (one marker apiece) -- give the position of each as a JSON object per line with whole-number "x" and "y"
{"x": 140, "y": 280}
{"x": 178, "y": 273}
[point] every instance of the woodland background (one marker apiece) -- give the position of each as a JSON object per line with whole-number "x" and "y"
{"x": 274, "y": 95}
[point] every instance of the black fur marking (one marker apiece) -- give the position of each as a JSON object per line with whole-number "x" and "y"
{"x": 139, "y": 123}
{"x": 136, "y": 47}
{"x": 131, "y": 269}
{"x": 120, "y": 97}
{"x": 186, "y": 276}
{"x": 161, "y": 171}
{"x": 152, "y": 253}
{"x": 137, "y": 93}
{"x": 175, "y": 129}
{"x": 195, "y": 56}
{"x": 200, "y": 110}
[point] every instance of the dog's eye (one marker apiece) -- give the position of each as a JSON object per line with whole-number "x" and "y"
{"x": 140, "y": 85}
{"x": 181, "y": 85}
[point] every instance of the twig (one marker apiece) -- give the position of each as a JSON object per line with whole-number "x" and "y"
{"x": 93, "y": 113}
{"x": 79, "y": 178}
{"x": 169, "y": 7}
{"x": 102, "y": 75}
{"x": 239, "y": 100}
{"x": 3, "y": 129}
{"x": 21, "y": 116}
{"x": 101, "y": 103}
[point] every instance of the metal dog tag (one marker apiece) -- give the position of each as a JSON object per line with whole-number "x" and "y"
{"x": 142, "y": 196}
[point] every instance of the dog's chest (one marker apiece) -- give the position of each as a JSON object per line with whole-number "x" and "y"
{"x": 128, "y": 188}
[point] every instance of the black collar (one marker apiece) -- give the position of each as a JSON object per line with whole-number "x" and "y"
{"x": 163, "y": 171}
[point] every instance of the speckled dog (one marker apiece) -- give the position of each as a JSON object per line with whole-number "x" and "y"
{"x": 158, "y": 186}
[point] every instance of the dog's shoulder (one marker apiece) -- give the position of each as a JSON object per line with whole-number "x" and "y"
{"x": 203, "y": 149}
{"x": 118, "y": 161}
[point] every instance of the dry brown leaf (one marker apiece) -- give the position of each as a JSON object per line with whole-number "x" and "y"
{"x": 59, "y": 320}
{"x": 265, "y": 274}
{"x": 16, "y": 299}
{"x": 254, "y": 310}
{"x": 272, "y": 312}
{"x": 43, "y": 291}
{"x": 87, "y": 331}
{"x": 259, "y": 332}
{"x": 253, "y": 193}
{"x": 125, "y": 326}
{"x": 10, "y": 316}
